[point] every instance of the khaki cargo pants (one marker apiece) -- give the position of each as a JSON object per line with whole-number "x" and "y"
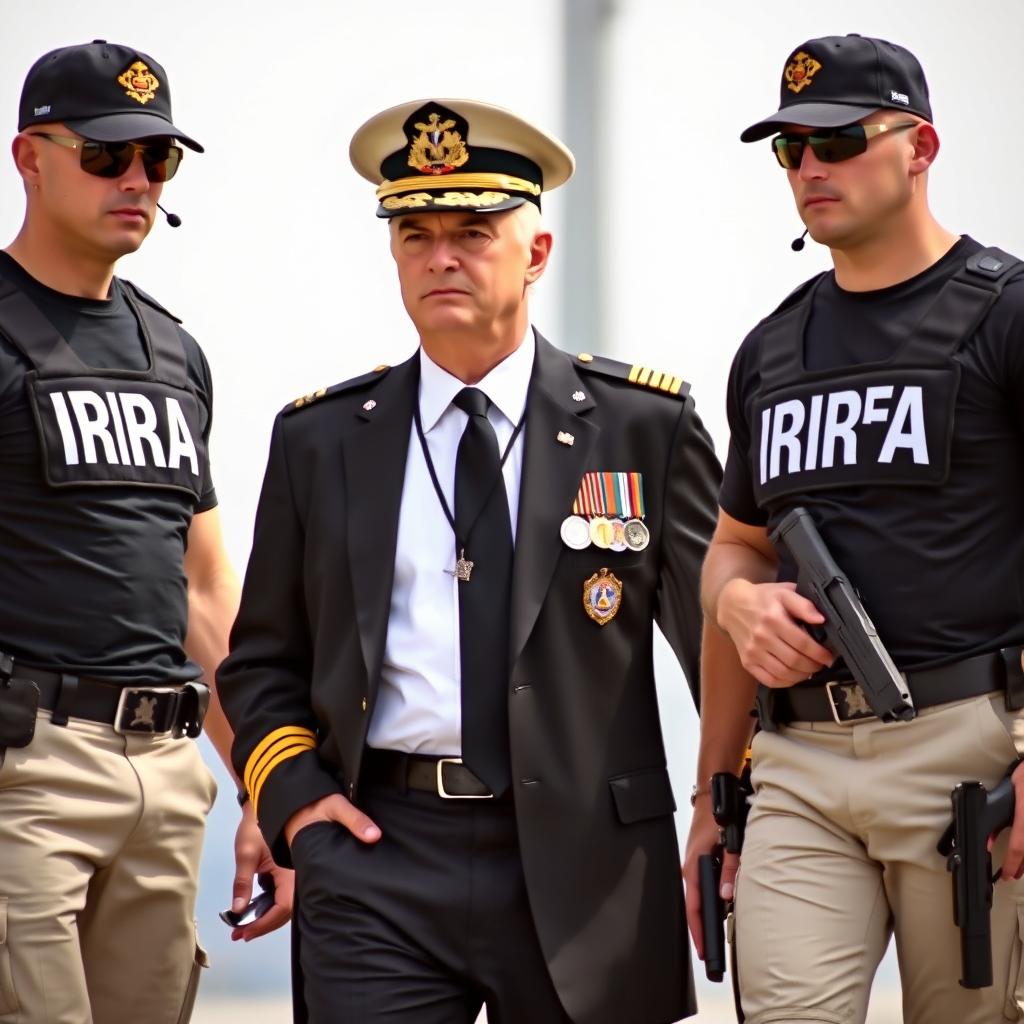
{"x": 840, "y": 855}
{"x": 100, "y": 837}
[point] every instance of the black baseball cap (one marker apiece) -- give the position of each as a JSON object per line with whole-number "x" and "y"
{"x": 104, "y": 91}
{"x": 837, "y": 80}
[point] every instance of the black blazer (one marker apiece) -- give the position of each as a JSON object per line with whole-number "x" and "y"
{"x": 593, "y": 801}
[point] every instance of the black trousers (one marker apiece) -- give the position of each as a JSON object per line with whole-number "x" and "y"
{"x": 425, "y": 926}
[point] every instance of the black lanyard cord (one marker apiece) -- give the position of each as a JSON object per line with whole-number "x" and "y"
{"x": 460, "y": 542}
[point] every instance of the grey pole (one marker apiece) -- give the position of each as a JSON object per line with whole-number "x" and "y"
{"x": 585, "y": 29}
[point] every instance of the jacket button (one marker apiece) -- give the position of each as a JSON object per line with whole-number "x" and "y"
{"x": 363, "y": 704}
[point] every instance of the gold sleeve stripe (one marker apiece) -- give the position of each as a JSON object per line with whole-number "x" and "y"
{"x": 634, "y": 373}
{"x": 645, "y": 376}
{"x": 655, "y": 381}
{"x": 285, "y": 732}
{"x": 284, "y": 754}
{"x": 677, "y": 383}
{"x": 271, "y": 752}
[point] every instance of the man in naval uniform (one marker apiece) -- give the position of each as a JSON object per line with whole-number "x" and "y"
{"x": 441, "y": 676}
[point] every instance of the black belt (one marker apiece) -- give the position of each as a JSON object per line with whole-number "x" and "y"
{"x": 447, "y": 777}
{"x": 845, "y": 703}
{"x": 150, "y": 710}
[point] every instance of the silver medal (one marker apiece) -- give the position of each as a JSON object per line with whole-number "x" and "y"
{"x": 636, "y": 535}
{"x": 575, "y": 532}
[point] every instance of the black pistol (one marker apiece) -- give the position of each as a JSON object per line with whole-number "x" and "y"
{"x": 977, "y": 813}
{"x": 848, "y": 630}
{"x": 730, "y": 807}
{"x": 712, "y": 913}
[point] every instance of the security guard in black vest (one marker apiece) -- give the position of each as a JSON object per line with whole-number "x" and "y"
{"x": 884, "y": 398}
{"x": 441, "y": 676}
{"x": 115, "y": 592}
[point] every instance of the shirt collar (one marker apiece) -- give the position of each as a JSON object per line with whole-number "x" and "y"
{"x": 506, "y": 385}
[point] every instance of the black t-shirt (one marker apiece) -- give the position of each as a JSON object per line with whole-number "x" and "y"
{"x": 940, "y": 568}
{"x": 92, "y": 578}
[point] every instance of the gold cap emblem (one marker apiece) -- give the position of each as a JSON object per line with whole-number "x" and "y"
{"x": 437, "y": 149}
{"x": 139, "y": 82}
{"x": 800, "y": 70}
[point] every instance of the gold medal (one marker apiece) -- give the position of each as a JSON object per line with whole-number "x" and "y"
{"x": 602, "y": 533}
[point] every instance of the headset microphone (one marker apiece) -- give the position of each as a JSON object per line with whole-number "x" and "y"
{"x": 796, "y": 245}
{"x": 175, "y": 221}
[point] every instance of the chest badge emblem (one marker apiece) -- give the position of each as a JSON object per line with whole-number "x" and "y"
{"x": 602, "y": 597}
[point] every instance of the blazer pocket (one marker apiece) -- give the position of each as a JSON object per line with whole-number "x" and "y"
{"x": 642, "y": 794}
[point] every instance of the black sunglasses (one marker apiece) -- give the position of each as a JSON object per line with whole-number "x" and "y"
{"x": 830, "y": 146}
{"x": 160, "y": 159}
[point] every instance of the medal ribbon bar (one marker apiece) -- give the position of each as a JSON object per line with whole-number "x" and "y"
{"x": 611, "y": 494}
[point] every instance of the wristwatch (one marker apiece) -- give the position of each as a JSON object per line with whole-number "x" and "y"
{"x": 696, "y": 792}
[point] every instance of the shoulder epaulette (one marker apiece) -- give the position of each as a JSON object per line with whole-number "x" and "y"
{"x": 795, "y": 296}
{"x": 149, "y": 300}
{"x": 304, "y": 401}
{"x": 641, "y": 376}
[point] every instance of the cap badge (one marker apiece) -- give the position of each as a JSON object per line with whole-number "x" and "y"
{"x": 800, "y": 70}
{"x": 437, "y": 149}
{"x": 602, "y": 597}
{"x": 139, "y": 82}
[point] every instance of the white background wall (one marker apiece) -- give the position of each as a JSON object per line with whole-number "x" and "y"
{"x": 282, "y": 272}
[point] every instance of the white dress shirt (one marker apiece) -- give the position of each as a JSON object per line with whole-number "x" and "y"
{"x": 419, "y": 706}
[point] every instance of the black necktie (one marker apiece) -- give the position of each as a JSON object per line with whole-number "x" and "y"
{"x": 482, "y": 526}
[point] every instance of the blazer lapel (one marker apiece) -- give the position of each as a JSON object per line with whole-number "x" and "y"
{"x": 552, "y": 470}
{"x": 374, "y": 457}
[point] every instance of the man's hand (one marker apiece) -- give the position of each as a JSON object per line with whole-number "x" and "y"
{"x": 1013, "y": 862}
{"x": 763, "y": 620}
{"x": 703, "y": 838}
{"x": 332, "y": 808}
{"x": 252, "y": 857}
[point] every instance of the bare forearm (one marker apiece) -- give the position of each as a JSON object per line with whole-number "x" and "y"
{"x": 727, "y": 697}
{"x": 727, "y": 561}
{"x": 211, "y": 612}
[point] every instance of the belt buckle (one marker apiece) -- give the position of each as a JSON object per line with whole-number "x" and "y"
{"x": 143, "y": 720}
{"x": 444, "y": 794}
{"x": 858, "y": 708}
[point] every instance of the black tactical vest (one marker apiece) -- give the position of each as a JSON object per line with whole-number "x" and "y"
{"x": 101, "y": 427}
{"x": 888, "y": 422}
